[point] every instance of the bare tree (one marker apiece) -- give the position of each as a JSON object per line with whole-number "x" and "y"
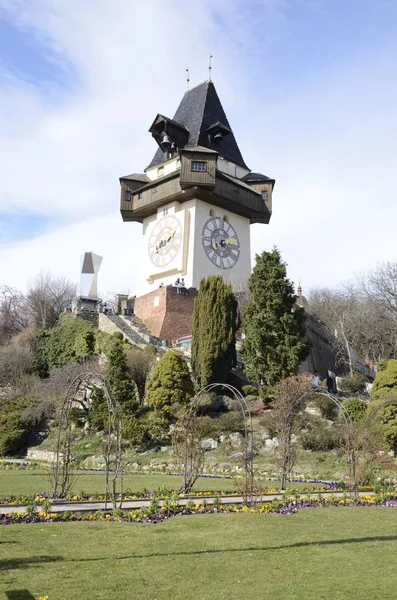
{"x": 15, "y": 362}
{"x": 338, "y": 309}
{"x": 48, "y": 297}
{"x": 13, "y": 317}
{"x": 360, "y": 316}
{"x": 291, "y": 398}
{"x": 382, "y": 285}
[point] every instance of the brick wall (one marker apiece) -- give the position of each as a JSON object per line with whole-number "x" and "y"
{"x": 166, "y": 314}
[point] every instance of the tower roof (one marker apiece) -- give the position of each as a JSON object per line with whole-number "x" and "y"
{"x": 201, "y": 112}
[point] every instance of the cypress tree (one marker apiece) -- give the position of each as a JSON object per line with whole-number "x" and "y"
{"x": 273, "y": 346}
{"x": 214, "y": 331}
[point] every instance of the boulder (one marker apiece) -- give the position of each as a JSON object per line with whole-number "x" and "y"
{"x": 209, "y": 444}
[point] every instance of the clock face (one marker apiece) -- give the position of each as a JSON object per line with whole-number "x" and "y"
{"x": 220, "y": 243}
{"x": 165, "y": 241}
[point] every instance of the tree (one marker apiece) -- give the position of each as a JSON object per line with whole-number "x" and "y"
{"x": 214, "y": 331}
{"x": 292, "y": 395}
{"x": 48, "y": 297}
{"x": 358, "y": 322}
{"x": 171, "y": 386}
{"x": 15, "y": 362}
{"x": 139, "y": 365}
{"x": 121, "y": 388}
{"x": 383, "y": 390}
{"x": 273, "y": 346}
{"x": 13, "y": 316}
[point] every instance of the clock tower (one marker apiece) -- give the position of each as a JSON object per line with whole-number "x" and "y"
{"x": 196, "y": 200}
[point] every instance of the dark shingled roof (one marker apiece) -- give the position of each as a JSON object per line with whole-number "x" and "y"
{"x": 256, "y": 177}
{"x": 199, "y": 109}
{"x": 137, "y": 177}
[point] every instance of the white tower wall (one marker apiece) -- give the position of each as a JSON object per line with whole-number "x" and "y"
{"x": 179, "y": 227}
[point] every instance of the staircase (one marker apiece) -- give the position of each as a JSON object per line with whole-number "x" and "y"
{"x": 136, "y": 332}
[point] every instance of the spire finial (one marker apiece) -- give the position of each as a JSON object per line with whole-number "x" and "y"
{"x": 299, "y": 290}
{"x": 210, "y": 67}
{"x": 187, "y": 77}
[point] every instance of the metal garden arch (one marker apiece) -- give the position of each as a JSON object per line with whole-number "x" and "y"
{"x": 63, "y": 460}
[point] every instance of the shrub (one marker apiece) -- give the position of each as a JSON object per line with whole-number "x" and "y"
{"x": 355, "y": 408}
{"x": 355, "y": 384}
{"x": 250, "y": 390}
{"x": 14, "y": 430}
{"x": 384, "y": 389}
{"x": 117, "y": 335}
{"x": 171, "y": 385}
{"x": 327, "y": 408}
{"x": 317, "y": 435}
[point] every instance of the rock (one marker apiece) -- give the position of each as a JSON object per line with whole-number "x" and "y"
{"x": 209, "y": 444}
{"x": 294, "y": 438}
{"x": 269, "y": 443}
{"x": 265, "y": 435}
{"x": 276, "y": 442}
{"x": 235, "y": 439}
{"x": 164, "y": 448}
{"x": 312, "y": 409}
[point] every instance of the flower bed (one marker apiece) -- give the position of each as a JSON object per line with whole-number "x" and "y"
{"x": 157, "y": 514}
{"x": 159, "y": 493}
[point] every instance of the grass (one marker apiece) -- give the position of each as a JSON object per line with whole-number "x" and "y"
{"x": 19, "y": 483}
{"x": 319, "y": 554}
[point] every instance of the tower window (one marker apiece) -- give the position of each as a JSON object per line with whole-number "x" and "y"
{"x": 199, "y": 166}
{"x": 140, "y": 195}
{"x": 127, "y": 196}
{"x": 264, "y": 195}
{"x": 160, "y": 171}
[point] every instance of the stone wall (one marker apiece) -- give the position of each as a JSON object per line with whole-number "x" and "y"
{"x": 106, "y": 325}
{"x": 166, "y": 314}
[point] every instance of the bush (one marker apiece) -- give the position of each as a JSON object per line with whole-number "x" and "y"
{"x": 117, "y": 335}
{"x": 355, "y": 408}
{"x": 384, "y": 389}
{"x": 14, "y": 430}
{"x": 250, "y": 390}
{"x": 327, "y": 408}
{"x": 355, "y": 384}
{"x": 317, "y": 435}
{"x": 226, "y": 423}
{"x": 171, "y": 385}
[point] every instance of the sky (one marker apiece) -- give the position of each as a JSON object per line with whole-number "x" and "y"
{"x": 308, "y": 86}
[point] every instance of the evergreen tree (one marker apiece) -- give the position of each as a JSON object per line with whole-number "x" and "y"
{"x": 214, "y": 331}
{"x": 170, "y": 386}
{"x": 273, "y": 346}
{"x": 121, "y": 388}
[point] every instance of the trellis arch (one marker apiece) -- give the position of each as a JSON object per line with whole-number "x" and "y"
{"x": 62, "y": 466}
{"x": 187, "y": 441}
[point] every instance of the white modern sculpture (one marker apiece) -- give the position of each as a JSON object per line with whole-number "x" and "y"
{"x": 89, "y": 267}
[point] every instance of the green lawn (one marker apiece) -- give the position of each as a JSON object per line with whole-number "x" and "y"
{"x": 318, "y": 554}
{"x": 29, "y": 482}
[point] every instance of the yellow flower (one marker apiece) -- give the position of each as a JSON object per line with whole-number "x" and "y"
{"x": 43, "y": 597}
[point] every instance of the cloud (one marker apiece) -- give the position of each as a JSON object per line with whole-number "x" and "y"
{"x": 326, "y": 135}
